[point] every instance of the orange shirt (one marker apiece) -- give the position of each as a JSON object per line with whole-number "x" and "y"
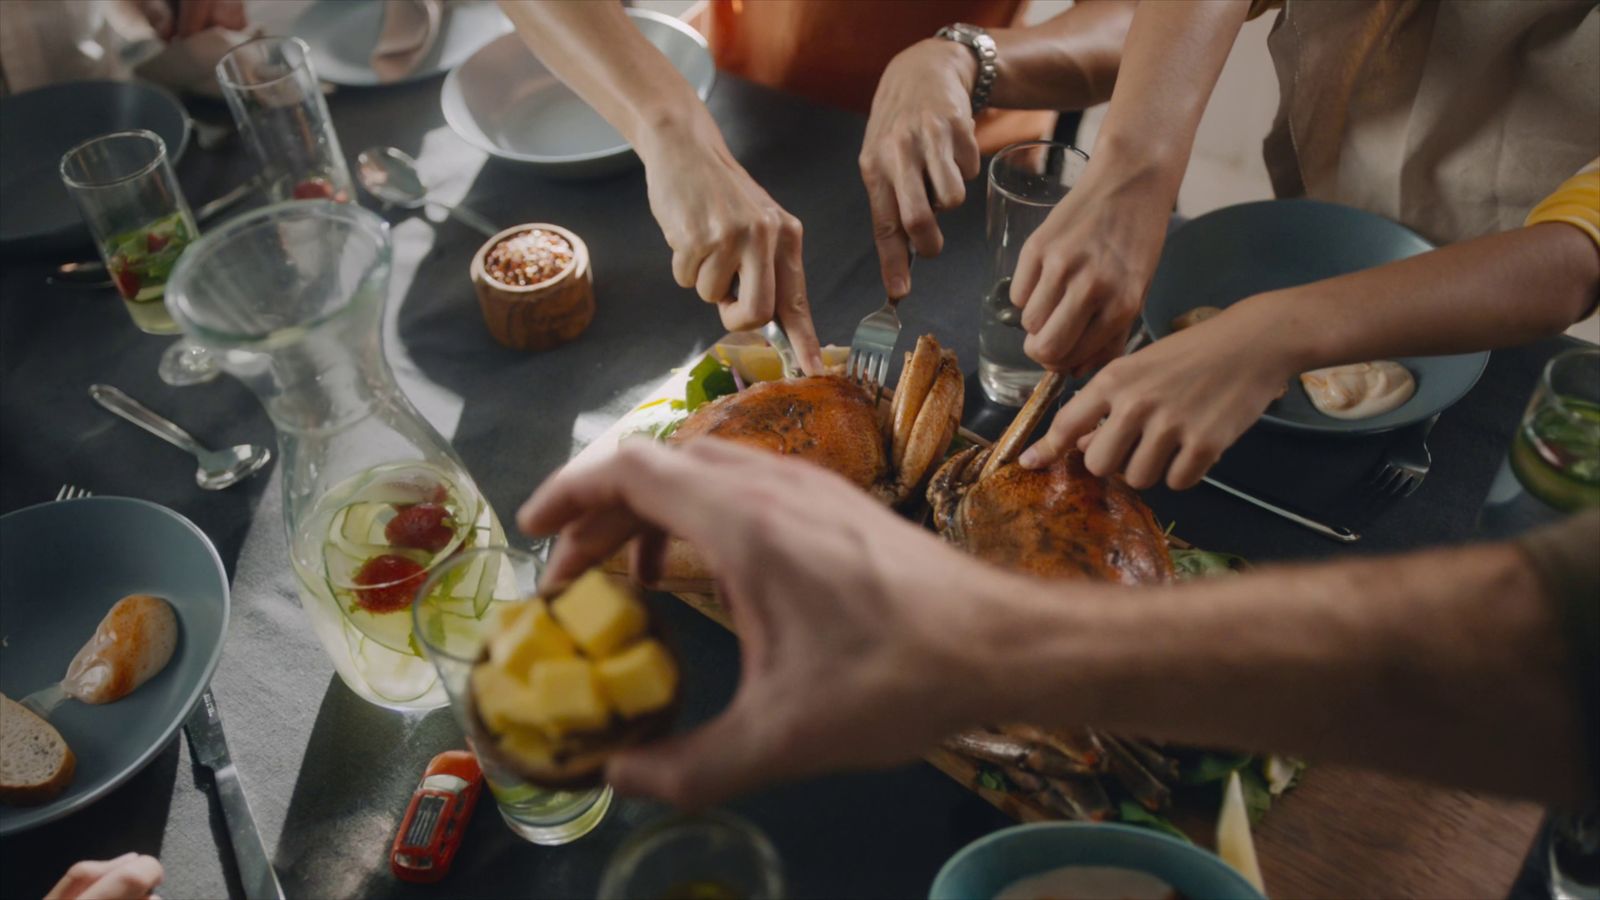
{"x": 834, "y": 51}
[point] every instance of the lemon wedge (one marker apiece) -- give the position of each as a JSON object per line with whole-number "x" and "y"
{"x": 1234, "y": 843}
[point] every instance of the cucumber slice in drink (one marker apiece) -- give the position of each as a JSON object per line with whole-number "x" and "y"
{"x": 395, "y": 677}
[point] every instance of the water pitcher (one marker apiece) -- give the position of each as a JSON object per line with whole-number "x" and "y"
{"x": 290, "y": 300}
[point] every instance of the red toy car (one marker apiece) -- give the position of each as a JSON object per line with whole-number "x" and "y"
{"x": 437, "y": 817}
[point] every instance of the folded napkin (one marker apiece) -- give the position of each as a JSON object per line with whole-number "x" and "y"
{"x": 410, "y": 28}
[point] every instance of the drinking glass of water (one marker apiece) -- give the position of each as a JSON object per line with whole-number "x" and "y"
{"x": 276, "y": 99}
{"x": 710, "y": 856}
{"x": 1026, "y": 181}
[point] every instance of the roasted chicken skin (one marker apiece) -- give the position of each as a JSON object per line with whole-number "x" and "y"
{"x": 1057, "y": 522}
{"x": 827, "y": 420}
{"x": 831, "y": 421}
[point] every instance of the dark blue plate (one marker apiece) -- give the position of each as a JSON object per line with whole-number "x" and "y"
{"x": 989, "y": 864}
{"x": 1238, "y": 251}
{"x": 62, "y": 566}
{"x": 38, "y": 127}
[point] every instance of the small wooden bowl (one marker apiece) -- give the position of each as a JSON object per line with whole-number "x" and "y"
{"x": 536, "y": 316}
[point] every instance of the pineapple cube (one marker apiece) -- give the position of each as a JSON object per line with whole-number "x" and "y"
{"x": 640, "y": 679}
{"x": 566, "y": 697}
{"x": 530, "y": 745}
{"x": 502, "y": 699}
{"x": 600, "y": 613}
{"x": 527, "y": 634}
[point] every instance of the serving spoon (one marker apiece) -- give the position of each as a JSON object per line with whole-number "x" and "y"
{"x": 390, "y": 174}
{"x": 218, "y": 468}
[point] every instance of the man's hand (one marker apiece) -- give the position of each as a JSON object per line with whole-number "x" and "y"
{"x": 856, "y": 627}
{"x": 919, "y": 150}
{"x": 1081, "y": 278}
{"x": 1171, "y": 409}
{"x": 721, "y": 224}
{"x": 131, "y": 876}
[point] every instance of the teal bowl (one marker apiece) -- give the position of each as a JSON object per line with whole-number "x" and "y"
{"x": 989, "y": 864}
{"x": 62, "y": 566}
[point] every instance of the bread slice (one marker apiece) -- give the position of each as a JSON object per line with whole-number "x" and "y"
{"x": 35, "y": 762}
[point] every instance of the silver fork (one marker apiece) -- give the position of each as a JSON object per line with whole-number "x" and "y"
{"x": 873, "y": 344}
{"x": 71, "y": 492}
{"x": 1404, "y": 464}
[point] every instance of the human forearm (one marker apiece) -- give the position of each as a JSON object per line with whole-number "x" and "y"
{"x": 1447, "y": 665}
{"x": 1497, "y": 291}
{"x": 595, "y": 50}
{"x": 1068, "y": 62}
{"x": 1170, "y": 64}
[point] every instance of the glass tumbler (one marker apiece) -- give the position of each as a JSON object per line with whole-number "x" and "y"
{"x": 1026, "y": 181}
{"x": 1556, "y": 452}
{"x": 124, "y": 186}
{"x": 277, "y": 102}
{"x": 711, "y": 856}
{"x": 454, "y": 643}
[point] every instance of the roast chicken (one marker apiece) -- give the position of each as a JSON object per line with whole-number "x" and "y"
{"x": 1057, "y": 522}
{"x": 833, "y": 422}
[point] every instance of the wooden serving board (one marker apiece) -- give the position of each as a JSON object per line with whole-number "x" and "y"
{"x": 1339, "y": 833}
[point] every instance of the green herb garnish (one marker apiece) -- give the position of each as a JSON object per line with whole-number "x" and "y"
{"x": 1132, "y": 813}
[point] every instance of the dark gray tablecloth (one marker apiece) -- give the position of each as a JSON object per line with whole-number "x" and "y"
{"x": 329, "y": 775}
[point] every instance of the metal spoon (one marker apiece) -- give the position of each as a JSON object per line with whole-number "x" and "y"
{"x": 390, "y": 174}
{"x": 218, "y": 468}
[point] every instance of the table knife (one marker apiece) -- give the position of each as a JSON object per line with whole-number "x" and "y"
{"x": 1335, "y": 532}
{"x": 210, "y": 749}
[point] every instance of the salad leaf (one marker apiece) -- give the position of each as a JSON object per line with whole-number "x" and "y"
{"x": 708, "y": 380}
{"x": 1213, "y": 767}
{"x": 1257, "y": 799}
{"x": 1205, "y": 563}
{"x": 1134, "y": 814}
{"x": 993, "y": 779}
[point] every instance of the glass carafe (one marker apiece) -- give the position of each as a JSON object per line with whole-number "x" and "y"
{"x": 290, "y": 300}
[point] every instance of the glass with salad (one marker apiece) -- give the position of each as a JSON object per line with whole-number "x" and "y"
{"x": 1556, "y": 451}
{"x": 130, "y": 199}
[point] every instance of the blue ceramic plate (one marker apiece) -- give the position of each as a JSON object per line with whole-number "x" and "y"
{"x": 1236, "y": 252}
{"x": 989, "y": 864}
{"x": 62, "y": 566}
{"x": 38, "y": 127}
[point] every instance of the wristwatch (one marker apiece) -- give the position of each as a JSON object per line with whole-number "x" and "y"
{"x": 982, "y": 46}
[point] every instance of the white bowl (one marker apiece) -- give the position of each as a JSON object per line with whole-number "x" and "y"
{"x": 503, "y": 101}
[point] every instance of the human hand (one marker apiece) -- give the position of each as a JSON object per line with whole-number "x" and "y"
{"x": 1081, "y": 278}
{"x": 856, "y": 628}
{"x": 131, "y": 876}
{"x": 920, "y": 136}
{"x": 1172, "y": 408}
{"x": 181, "y": 18}
{"x": 721, "y": 224}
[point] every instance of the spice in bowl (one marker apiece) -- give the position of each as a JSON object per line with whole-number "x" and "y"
{"x": 534, "y": 286}
{"x": 529, "y": 258}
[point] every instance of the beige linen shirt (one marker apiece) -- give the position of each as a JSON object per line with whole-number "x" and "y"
{"x": 1455, "y": 118}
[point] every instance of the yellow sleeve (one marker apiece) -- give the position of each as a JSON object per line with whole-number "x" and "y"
{"x": 1576, "y": 202}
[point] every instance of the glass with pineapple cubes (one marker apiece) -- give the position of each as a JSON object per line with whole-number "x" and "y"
{"x": 520, "y": 623}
